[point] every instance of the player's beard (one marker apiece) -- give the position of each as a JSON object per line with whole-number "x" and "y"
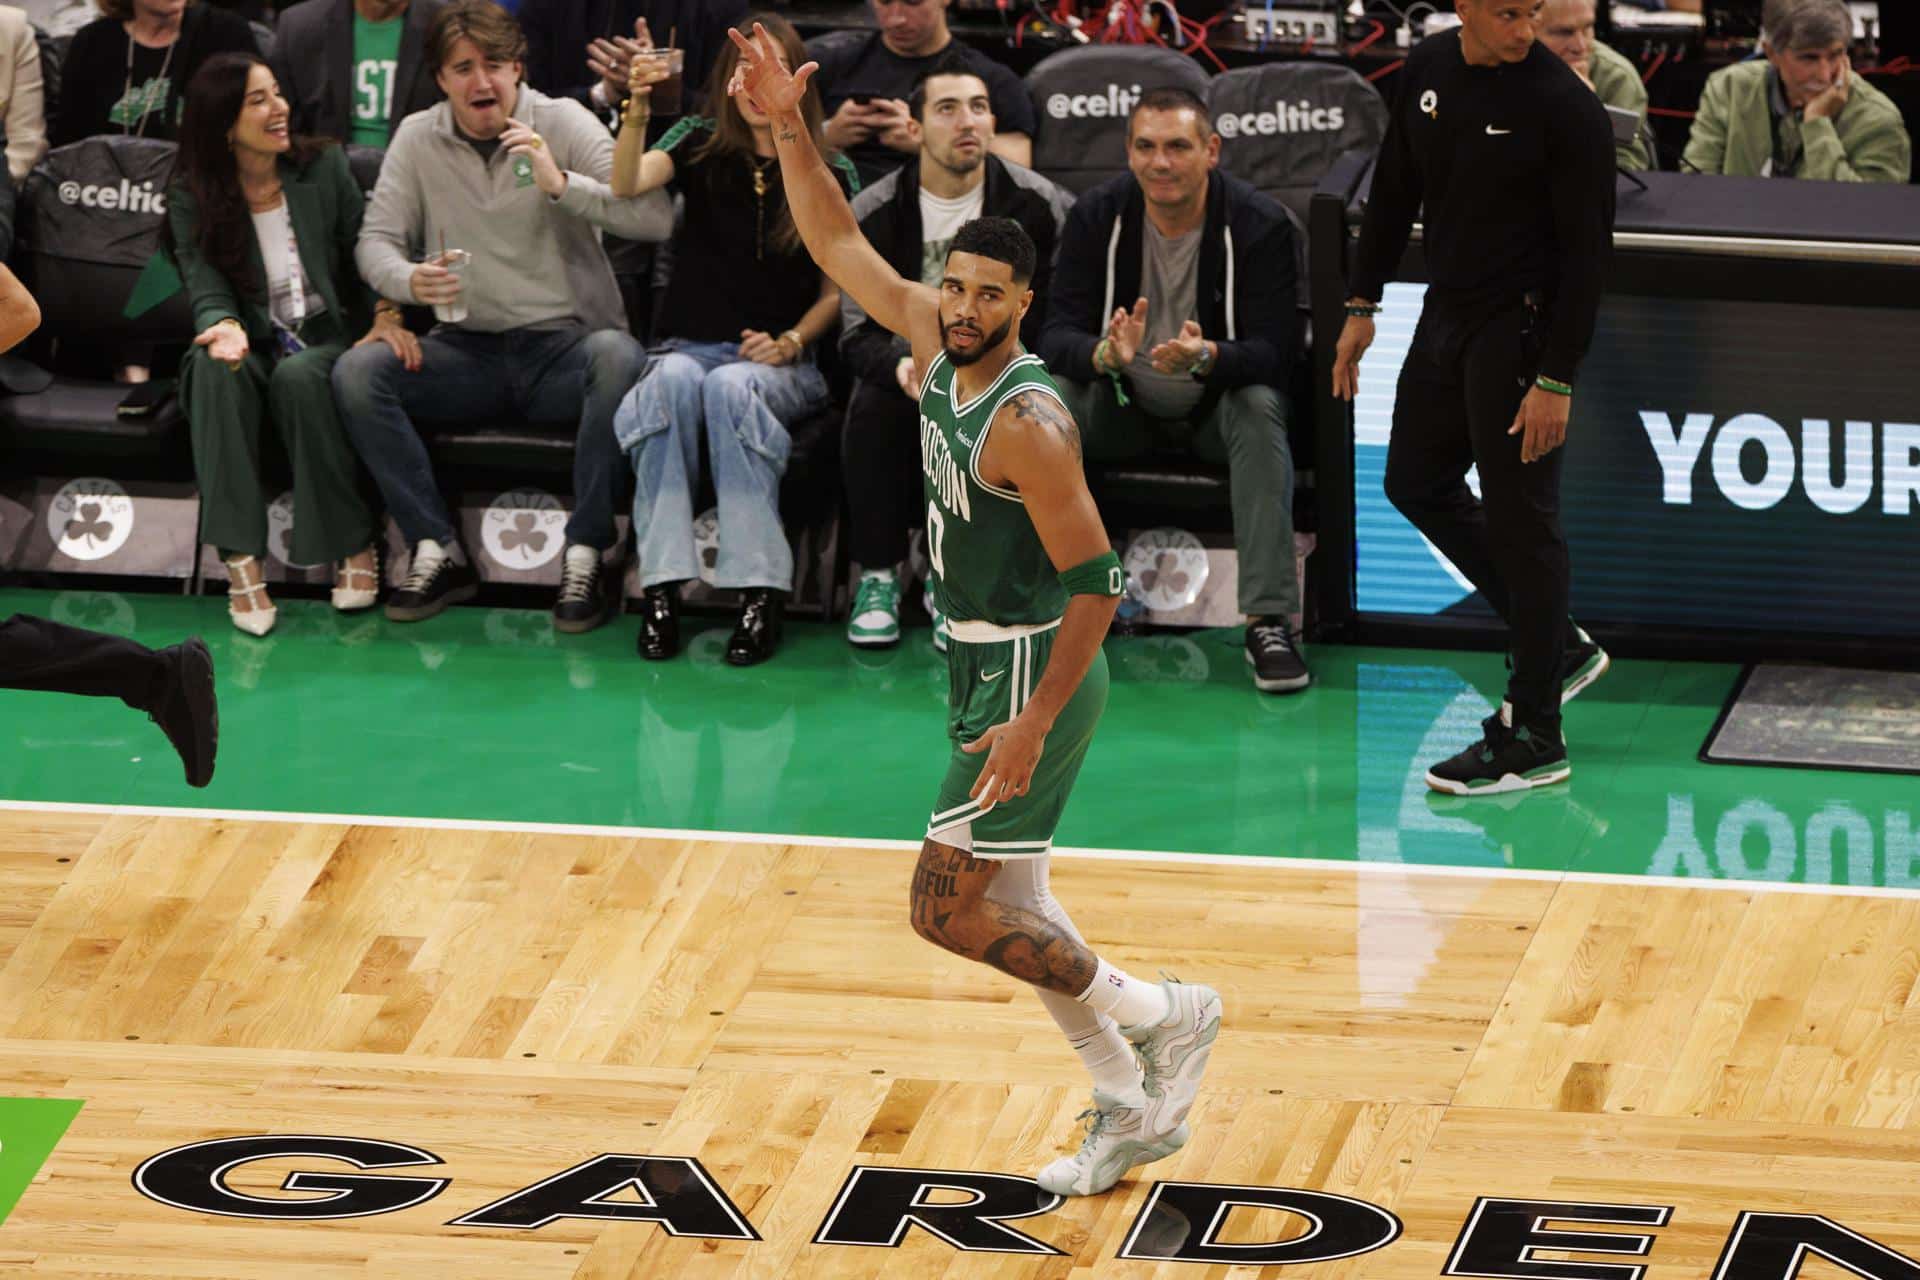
{"x": 992, "y": 343}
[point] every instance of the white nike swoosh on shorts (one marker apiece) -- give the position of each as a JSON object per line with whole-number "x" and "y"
{"x": 995, "y": 676}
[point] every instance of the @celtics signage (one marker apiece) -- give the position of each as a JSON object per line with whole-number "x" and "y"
{"x": 977, "y": 1212}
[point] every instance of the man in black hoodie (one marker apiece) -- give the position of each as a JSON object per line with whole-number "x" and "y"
{"x": 1172, "y": 322}
{"x": 910, "y": 216}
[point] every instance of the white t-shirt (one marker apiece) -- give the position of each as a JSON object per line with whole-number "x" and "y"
{"x": 280, "y": 254}
{"x": 940, "y": 221}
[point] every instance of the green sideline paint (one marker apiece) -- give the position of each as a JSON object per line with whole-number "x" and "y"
{"x": 30, "y": 1128}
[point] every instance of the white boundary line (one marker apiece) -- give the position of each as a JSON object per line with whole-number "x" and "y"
{"x": 1241, "y": 860}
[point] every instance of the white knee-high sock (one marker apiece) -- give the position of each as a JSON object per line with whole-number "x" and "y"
{"x": 1105, "y": 1053}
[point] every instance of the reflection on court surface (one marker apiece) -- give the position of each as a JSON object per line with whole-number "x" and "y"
{"x": 383, "y": 1050}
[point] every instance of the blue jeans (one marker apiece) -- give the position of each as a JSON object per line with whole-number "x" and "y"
{"x": 563, "y": 376}
{"x": 745, "y": 410}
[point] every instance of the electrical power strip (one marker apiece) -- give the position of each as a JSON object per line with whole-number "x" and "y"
{"x": 1291, "y": 25}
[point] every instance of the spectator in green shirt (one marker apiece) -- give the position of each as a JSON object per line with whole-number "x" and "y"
{"x": 1802, "y": 112}
{"x": 1566, "y": 28}
{"x": 351, "y": 69}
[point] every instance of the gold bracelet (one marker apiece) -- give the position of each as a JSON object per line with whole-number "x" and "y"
{"x": 793, "y": 336}
{"x": 232, "y": 320}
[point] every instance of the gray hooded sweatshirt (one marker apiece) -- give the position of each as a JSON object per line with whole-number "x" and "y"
{"x": 536, "y": 260}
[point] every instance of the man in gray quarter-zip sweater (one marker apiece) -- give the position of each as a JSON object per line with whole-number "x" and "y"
{"x": 518, "y": 181}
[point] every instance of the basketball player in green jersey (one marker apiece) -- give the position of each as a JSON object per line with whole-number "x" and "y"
{"x": 1030, "y": 583}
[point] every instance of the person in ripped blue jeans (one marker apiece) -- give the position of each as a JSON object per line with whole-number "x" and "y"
{"x": 743, "y": 310}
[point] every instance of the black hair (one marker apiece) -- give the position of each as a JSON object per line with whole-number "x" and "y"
{"x": 204, "y": 165}
{"x": 1001, "y": 239}
{"x": 1173, "y": 98}
{"x": 952, "y": 62}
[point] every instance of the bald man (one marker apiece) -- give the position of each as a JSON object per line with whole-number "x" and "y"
{"x": 1566, "y": 27}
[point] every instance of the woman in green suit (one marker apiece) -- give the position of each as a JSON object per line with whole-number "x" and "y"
{"x": 263, "y": 226}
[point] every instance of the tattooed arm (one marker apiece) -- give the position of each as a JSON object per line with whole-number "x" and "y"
{"x": 1033, "y": 447}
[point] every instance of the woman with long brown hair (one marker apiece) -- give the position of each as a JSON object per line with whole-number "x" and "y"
{"x": 743, "y": 309}
{"x": 263, "y": 225}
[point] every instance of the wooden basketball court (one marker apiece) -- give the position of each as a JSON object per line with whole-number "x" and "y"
{"x": 1728, "y": 1067}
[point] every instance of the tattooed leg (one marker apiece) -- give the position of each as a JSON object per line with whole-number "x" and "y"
{"x": 950, "y": 909}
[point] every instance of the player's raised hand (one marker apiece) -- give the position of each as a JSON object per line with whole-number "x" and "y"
{"x": 772, "y": 88}
{"x": 1013, "y": 752}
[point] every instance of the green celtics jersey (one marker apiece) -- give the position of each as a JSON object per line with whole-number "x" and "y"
{"x": 988, "y": 563}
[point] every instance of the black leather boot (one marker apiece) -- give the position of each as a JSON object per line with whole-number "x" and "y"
{"x": 660, "y": 622}
{"x": 758, "y": 634}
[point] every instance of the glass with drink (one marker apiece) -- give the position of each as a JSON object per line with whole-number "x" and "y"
{"x": 455, "y": 261}
{"x": 666, "y": 93}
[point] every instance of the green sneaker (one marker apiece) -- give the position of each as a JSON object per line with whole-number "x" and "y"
{"x": 1505, "y": 759}
{"x": 875, "y": 619}
{"x": 1584, "y": 663}
{"x": 939, "y": 620}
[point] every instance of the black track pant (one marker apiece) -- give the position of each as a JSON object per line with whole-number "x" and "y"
{"x": 48, "y": 657}
{"x": 880, "y": 466}
{"x": 1459, "y": 393}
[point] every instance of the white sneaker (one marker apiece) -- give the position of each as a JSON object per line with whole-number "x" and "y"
{"x": 875, "y": 617}
{"x": 1173, "y": 1053}
{"x": 1116, "y": 1141}
{"x": 939, "y": 621}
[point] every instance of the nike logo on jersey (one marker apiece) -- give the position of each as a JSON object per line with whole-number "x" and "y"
{"x": 1497, "y": 133}
{"x": 988, "y": 679}
{"x": 965, "y": 439}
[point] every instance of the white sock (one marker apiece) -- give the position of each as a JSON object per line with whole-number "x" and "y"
{"x": 583, "y": 555}
{"x": 1102, "y": 1050}
{"x": 885, "y": 575}
{"x": 1127, "y": 1000}
{"x": 429, "y": 552}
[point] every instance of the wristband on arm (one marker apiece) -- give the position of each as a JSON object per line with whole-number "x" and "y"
{"x": 1554, "y": 385}
{"x": 1100, "y": 576}
{"x": 1101, "y": 350}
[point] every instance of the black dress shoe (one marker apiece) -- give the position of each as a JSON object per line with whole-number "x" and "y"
{"x": 659, "y": 622}
{"x": 758, "y": 634}
{"x": 186, "y": 710}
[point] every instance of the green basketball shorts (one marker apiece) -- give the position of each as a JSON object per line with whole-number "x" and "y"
{"x": 989, "y": 681}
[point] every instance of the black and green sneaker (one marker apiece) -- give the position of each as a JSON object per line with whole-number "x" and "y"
{"x": 1505, "y": 759}
{"x": 1581, "y": 665}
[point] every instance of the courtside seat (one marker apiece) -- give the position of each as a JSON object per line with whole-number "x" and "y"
{"x": 1283, "y": 125}
{"x": 1082, "y": 98}
{"x": 88, "y": 227}
{"x": 365, "y": 162}
{"x": 77, "y": 419}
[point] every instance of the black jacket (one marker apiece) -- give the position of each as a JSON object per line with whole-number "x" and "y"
{"x": 1247, "y": 294}
{"x": 313, "y": 60}
{"x": 889, "y": 213}
{"x": 93, "y": 74}
{"x": 559, "y": 31}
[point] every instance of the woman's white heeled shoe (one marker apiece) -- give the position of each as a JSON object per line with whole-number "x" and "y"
{"x": 245, "y": 582}
{"x": 356, "y": 587}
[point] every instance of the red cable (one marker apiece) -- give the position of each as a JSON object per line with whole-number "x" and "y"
{"x": 1673, "y": 113}
{"x": 1387, "y": 70}
{"x": 1658, "y": 62}
{"x": 1379, "y": 30}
